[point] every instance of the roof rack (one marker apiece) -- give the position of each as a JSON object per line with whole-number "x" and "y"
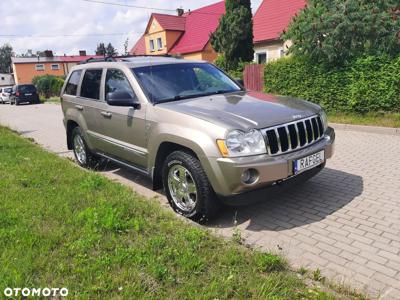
{"x": 124, "y": 58}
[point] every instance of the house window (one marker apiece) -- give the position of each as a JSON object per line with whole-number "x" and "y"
{"x": 262, "y": 58}
{"x": 159, "y": 43}
{"x": 152, "y": 45}
{"x": 39, "y": 67}
{"x": 55, "y": 67}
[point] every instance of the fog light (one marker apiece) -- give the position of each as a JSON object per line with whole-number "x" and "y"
{"x": 250, "y": 176}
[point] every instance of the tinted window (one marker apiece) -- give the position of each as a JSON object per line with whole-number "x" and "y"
{"x": 7, "y": 90}
{"x": 117, "y": 82}
{"x": 91, "y": 84}
{"x": 72, "y": 85}
{"x": 28, "y": 88}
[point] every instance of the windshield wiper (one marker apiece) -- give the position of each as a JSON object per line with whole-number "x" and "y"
{"x": 178, "y": 97}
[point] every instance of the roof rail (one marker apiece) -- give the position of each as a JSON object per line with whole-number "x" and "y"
{"x": 92, "y": 60}
{"x": 124, "y": 58}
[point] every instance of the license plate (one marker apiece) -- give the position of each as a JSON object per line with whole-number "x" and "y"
{"x": 28, "y": 94}
{"x": 308, "y": 162}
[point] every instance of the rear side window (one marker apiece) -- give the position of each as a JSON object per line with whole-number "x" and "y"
{"x": 116, "y": 81}
{"x": 91, "y": 84}
{"x": 72, "y": 85}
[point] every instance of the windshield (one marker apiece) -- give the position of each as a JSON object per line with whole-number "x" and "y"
{"x": 163, "y": 83}
{"x": 27, "y": 88}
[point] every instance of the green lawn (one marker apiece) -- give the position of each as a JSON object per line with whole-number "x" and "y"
{"x": 61, "y": 226}
{"x": 55, "y": 100}
{"x": 371, "y": 119}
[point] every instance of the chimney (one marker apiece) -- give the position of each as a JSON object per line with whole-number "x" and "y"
{"x": 180, "y": 12}
{"x": 48, "y": 53}
{"x": 82, "y": 52}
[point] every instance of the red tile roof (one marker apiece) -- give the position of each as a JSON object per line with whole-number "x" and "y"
{"x": 140, "y": 47}
{"x": 200, "y": 23}
{"x": 169, "y": 22}
{"x": 273, "y": 17}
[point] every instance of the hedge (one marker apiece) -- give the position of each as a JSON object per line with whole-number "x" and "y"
{"x": 369, "y": 84}
{"x": 48, "y": 85}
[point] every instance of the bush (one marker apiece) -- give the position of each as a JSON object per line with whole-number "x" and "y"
{"x": 365, "y": 85}
{"x": 48, "y": 85}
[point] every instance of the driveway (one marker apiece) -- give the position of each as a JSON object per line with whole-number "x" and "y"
{"x": 345, "y": 221}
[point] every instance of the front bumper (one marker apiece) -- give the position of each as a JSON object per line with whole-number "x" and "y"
{"x": 226, "y": 177}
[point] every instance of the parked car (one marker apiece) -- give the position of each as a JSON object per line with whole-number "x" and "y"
{"x": 5, "y": 93}
{"x": 192, "y": 129}
{"x": 24, "y": 93}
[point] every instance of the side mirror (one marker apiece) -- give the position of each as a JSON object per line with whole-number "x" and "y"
{"x": 122, "y": 98}
{"x": 239, "y": 81}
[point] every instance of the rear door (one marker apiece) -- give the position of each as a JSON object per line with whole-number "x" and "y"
{"x": 88, "y": 102}
{"x": 27, "y": 92}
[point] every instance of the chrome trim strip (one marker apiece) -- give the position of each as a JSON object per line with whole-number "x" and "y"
{"x": 295, "y": 123}
{"x": 129, "y": 147}
{"x": 137, "y": 169}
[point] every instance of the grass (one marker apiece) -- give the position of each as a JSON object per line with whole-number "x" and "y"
{"x": 54, "y": 100}
{"x": 370, "y": 119}
{"x": 61, "y": 226}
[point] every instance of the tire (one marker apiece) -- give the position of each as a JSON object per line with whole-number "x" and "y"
{"x": 201, "y": 205}
{"x": 16, "y": 103}
{"x": 83, "y": 155}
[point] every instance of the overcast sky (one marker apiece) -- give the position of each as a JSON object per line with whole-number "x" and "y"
{"x": 46, "y": 24}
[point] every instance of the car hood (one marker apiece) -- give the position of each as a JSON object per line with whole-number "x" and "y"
{"x": 245, "y": 110}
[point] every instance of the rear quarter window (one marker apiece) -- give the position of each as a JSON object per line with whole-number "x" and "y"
{"x": 72, "y": 85}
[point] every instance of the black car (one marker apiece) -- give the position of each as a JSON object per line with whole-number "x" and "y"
{"x": 24, "y": 93}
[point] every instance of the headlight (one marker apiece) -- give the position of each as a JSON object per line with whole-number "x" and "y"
{"x": 239, "y": 143}
{"x": 324, "y": 119}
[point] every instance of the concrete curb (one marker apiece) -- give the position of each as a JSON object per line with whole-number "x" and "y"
{"x": 368, "y": 129}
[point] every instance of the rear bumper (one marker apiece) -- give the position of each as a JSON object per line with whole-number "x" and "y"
{"x": 227, "y": 173}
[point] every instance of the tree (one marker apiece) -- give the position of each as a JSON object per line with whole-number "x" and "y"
{"x": 234, "y": 35}
{"x": 101, "y": 49}
{"x": 126, "y": 44}
{"x": 6, "y": 52}
{"x": 110, "y": 50}
{"x": 336, "y": 32}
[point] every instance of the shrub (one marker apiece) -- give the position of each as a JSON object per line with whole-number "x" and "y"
{"x": 48, "y": 85}
{"x": 364, "y": 85}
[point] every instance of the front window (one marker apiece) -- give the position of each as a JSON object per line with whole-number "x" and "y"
{"x": 163, "y": 83}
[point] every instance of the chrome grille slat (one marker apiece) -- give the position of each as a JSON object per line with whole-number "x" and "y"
{"x": 274, "y": 135}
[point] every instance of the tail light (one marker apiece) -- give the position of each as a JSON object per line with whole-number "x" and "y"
{"x": 17, "y": 94}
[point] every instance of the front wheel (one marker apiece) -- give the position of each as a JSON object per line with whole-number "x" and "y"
{"x": 187, "y": 187}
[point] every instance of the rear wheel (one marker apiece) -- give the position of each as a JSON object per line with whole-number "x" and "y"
{"x": 84, "y": 157}
{"x": 187, "y": 187}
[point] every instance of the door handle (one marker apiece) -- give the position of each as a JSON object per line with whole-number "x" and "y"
{"x": 79, "y": 107}
{"x": 106, "y": 114}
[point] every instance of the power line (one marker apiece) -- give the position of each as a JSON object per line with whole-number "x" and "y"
{"x": 147, "y": 7}
{"x": 65, "y": 35}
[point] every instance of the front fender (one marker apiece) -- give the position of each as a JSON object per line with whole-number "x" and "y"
{"x": 199, "y": 142}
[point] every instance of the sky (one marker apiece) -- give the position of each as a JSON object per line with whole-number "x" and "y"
{"x": 67, "y": 26}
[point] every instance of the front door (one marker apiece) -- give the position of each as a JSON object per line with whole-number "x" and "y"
{"x": 122, "y": 128}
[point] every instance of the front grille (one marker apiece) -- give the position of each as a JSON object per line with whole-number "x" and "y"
{"x": 293, "y": 136}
